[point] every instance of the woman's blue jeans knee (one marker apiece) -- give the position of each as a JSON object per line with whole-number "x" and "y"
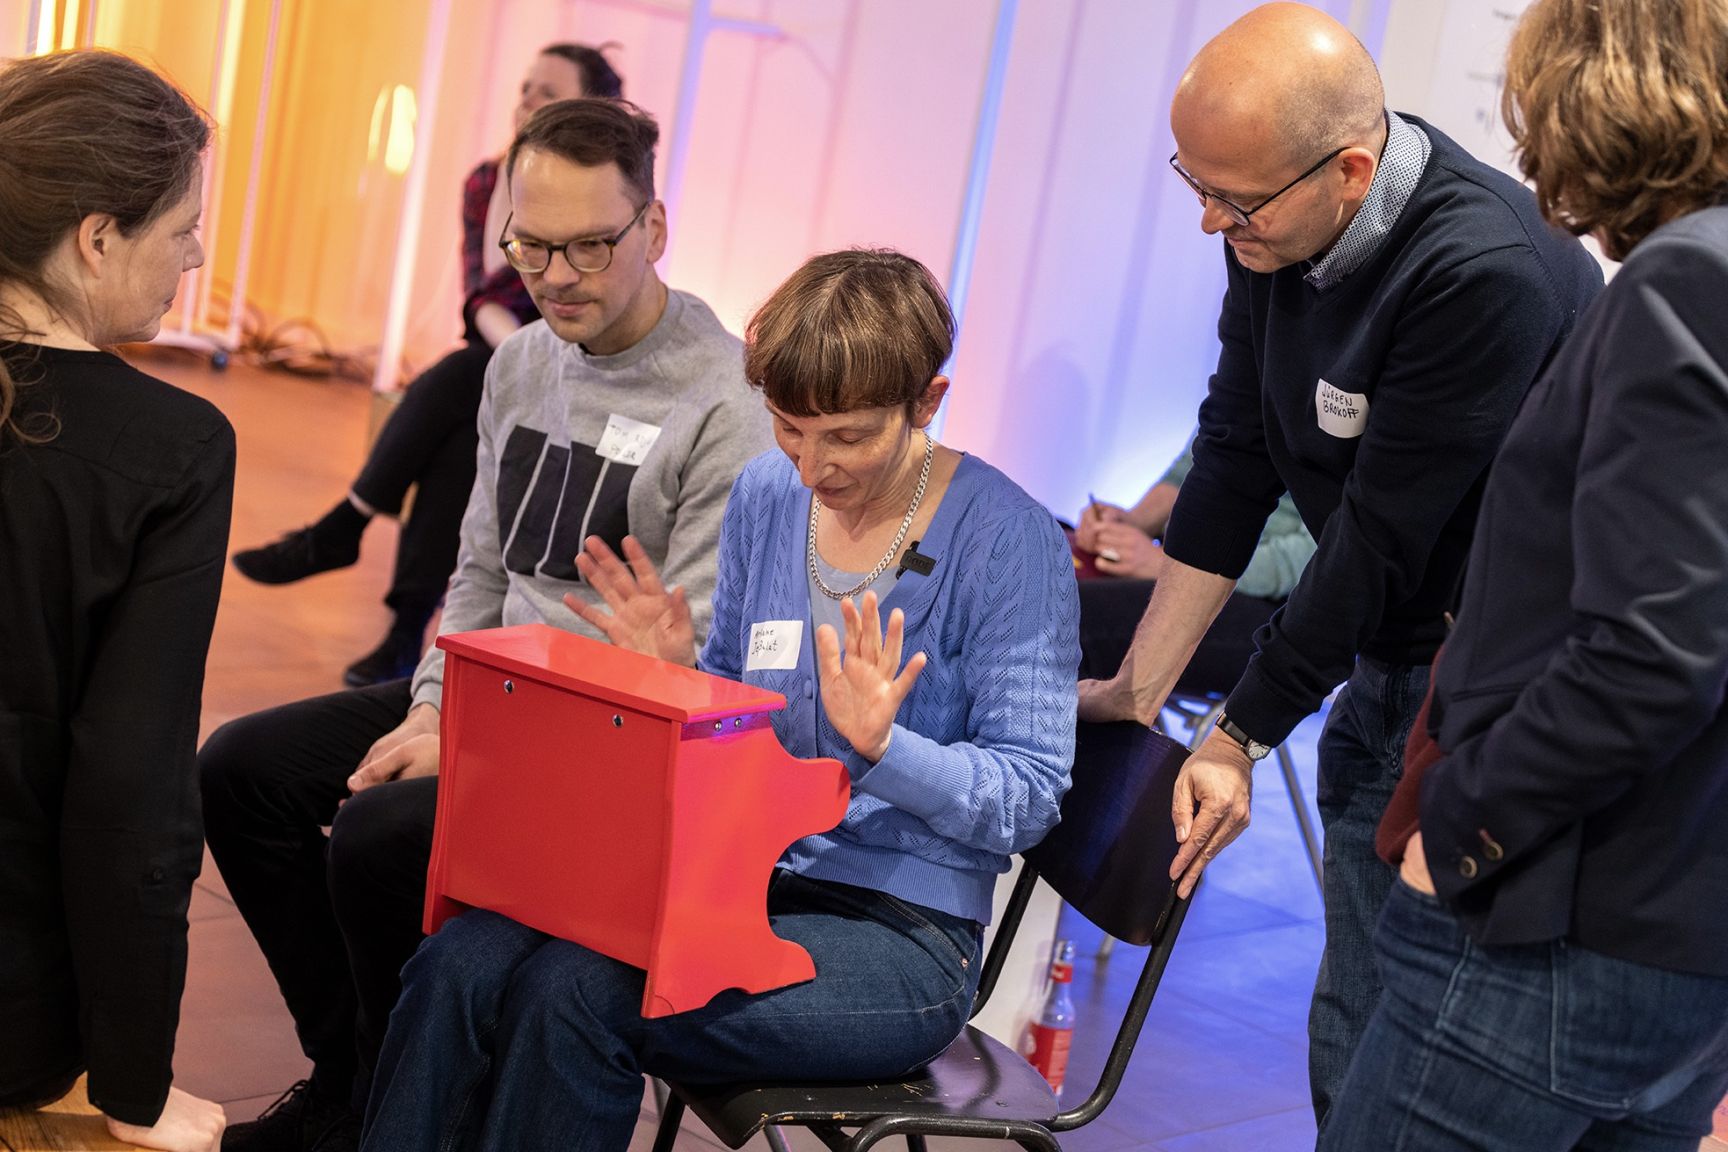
{"x": 509, "y": 1039}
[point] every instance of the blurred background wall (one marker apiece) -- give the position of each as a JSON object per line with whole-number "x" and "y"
{"x": 1088, "y": 331}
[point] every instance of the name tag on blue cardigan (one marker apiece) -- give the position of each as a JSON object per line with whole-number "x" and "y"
{"x": 774, "y": 644}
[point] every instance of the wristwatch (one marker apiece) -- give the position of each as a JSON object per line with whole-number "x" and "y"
{"x": 1253, "y": 747}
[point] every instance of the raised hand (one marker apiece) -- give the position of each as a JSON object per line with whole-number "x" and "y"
{"x": 641, "y": 613}
{"x": 864, "y": 686}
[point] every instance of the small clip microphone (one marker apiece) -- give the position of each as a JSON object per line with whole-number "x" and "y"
{"x": 914, "y": 560}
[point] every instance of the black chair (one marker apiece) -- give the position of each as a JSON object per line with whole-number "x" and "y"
{"x": 1110, "y": 859}
{"x": 1109, "y": 612}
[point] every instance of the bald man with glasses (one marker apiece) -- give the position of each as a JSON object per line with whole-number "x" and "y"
{"x": 1389, "y": 300}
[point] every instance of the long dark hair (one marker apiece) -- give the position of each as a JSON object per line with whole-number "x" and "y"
{"x": 81, "y": 133}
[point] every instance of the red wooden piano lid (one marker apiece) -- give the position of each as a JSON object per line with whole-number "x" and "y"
{"x": 599, "y": 670}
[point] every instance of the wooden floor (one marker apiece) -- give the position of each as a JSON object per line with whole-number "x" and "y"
{"x": 1221, "y": 1065}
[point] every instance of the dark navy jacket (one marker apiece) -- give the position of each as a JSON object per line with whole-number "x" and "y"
{"x": 1584, "y": 788}
{"x": 1378, "y": 403}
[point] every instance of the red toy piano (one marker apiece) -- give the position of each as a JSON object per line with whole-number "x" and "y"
{"x": 630, "y": 805}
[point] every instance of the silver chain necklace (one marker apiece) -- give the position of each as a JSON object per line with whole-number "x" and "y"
{"x": 893, "y": 549}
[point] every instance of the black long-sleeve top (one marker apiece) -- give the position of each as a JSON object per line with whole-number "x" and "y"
{"x": 112, "y": 542}
{"x": 1582, "y": 704}
{"x": 1378, "y": 404}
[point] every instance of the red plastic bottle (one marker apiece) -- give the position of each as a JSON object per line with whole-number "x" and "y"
{"x": 1051, "y": 1035}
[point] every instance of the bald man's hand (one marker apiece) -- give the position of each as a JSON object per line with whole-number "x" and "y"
{"x": 1210, "y": 807}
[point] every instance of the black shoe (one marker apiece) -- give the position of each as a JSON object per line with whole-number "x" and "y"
{"x": 300, "y": 1120}
{"x": 395, "y": 658}
{"x": 333, "y": 542}
{"x": 297, "y": 555}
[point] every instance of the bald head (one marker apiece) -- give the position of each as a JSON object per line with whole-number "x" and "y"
{"x": 1285, "y": 80}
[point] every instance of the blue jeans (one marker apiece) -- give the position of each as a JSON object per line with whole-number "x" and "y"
{"x": 506, "y": 1038}
{"x": 1528, "y": 1049}
{"x": 1361, "y": 758}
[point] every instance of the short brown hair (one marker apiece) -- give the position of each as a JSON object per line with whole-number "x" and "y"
{"x": 862, "y": 328}
{"x": 592, "y": 132}
{"x": 1620, "y": 112}
{"x": 82, "y": 133}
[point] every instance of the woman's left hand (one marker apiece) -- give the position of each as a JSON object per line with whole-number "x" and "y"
{"x": 863, "y": 690}
{"x": 1414, "y": 870}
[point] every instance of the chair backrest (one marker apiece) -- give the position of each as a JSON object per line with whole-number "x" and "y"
{"x": 1110, "y": 856}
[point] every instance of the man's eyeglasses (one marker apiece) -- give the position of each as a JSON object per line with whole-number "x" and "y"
{"x": 590, "y": 255}
{"x": 1236, "y": 212}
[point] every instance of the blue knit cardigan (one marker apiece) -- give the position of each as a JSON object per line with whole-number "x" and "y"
{"x": 979, "y": 758}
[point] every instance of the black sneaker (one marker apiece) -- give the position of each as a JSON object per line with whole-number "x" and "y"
{"x": 394, "y": 659}
{"x": 301, "y": 553}
{"x": 300, "y": 1120}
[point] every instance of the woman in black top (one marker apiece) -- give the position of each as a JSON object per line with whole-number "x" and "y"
{"x": 114, "y": 499}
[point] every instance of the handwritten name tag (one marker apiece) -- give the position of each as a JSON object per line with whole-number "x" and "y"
{"x": 774, "y": 644}
{"x": 627, "y": 441}
{"x": 1340, "y": 413}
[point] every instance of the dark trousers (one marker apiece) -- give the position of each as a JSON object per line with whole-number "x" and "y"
{"x": 428, "y": 444}
{"x": 1360, "y": 760}
{"x": 336, "y": 916}
{"x": 1527, "y": 1048}
{"x": 1111, "y": 608}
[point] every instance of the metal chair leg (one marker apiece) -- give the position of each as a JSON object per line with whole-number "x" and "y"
{"x": 776, "y": 1138}
{"x": 671, "y": 1115}
{"x": 1299, "y": 804}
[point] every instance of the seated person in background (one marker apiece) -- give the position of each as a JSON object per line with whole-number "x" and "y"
{"x": 624, "y": 411}
{"x": 507, "y": 1038}
{"x": 115, "y": 492}
{"x": 1124, "y": 544}
{"x": 428, "y": 442}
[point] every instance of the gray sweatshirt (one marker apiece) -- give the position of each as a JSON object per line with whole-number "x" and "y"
{"x": 645, "y": 443}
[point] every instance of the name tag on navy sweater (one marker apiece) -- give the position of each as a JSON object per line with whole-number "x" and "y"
{"x": 1340, "y": 413}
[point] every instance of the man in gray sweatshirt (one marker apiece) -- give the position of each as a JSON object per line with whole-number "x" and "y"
{"x": 624, "y": 410}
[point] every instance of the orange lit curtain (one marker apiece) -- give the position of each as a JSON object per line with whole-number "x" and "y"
{"x": 338, "y": 135}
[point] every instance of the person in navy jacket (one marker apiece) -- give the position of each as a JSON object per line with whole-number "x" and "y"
{"x": 1556, "y": 958}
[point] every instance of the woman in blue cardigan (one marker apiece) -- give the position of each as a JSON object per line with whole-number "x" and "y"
{"x": 959, "y": 755}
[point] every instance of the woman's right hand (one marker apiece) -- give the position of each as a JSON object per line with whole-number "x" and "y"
{"x": 187, "y": 1124}
{"x": 1093, "y": 517}
{"x": 641, "y": 613}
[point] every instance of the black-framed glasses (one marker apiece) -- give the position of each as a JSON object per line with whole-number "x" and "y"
{"x": 1235, "y": 211}
{"x": 588, "y": 254}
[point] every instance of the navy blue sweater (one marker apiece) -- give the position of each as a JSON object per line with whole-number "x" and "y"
{"x": 1378, "y": 404}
